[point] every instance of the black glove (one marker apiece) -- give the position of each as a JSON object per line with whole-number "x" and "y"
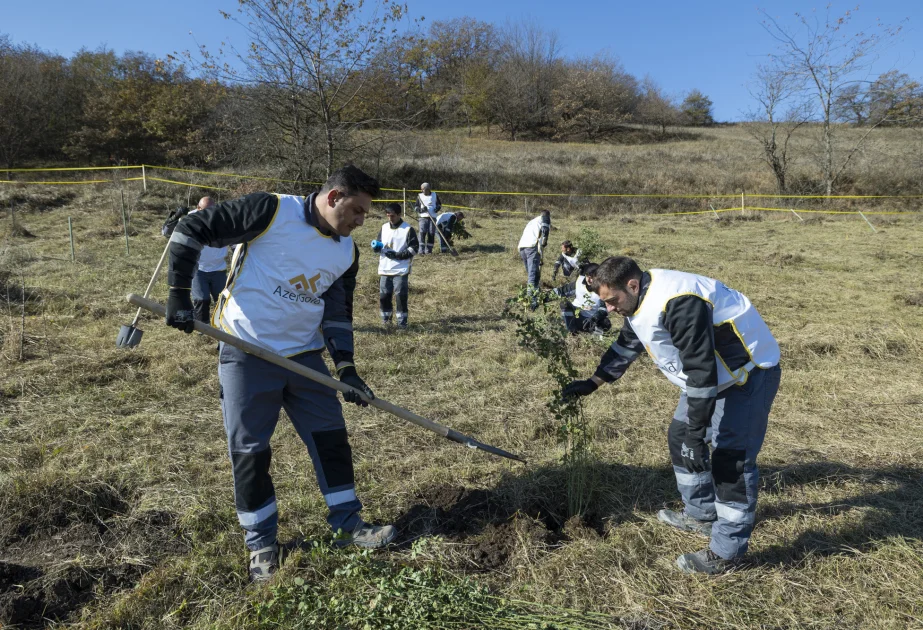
{"x": 349, "y": 376}
{"x": 389, "y": 253}
{"x": 694, "y": 450}
{"x": 579, "y": 388}
{"x": 180, "y": 313}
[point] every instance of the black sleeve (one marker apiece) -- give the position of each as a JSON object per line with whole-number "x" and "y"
{"x": 227, "y": 223}
{"x": 688, "y": 319}
{"x": 338, "y": 315}
{"x": 543, "y": 234}
{"x": 559, "y": 261}
{"x": 378, "y": 238}
{"x": 620, "y": 355}
{"x": 411, "y": 247}
{"x": 568, "y": 290}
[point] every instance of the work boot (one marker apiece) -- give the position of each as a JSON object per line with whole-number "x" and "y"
{"x": 367, "y": 536}
{"x": 704, "y": 561}
{"x": 681, "y": 520}
{"x": 263, "y": 563}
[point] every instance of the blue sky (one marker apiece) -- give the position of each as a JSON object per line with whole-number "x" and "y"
{"x": 710, "y": 45}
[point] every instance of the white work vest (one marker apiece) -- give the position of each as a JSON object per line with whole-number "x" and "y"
{"x": 728, "y": 307}
{"x": 428, "y": 203}
{"x": 444, "y": 217}
{"x": 532, "y": 233}
{"x": 396, "y": 239}
{"x": 571, "y": 260}
{"x": 585, "y": 299}
{"x": 212, "y": 258}
{"x": 274, "y": 300}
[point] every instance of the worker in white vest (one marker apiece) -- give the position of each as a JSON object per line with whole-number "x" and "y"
{"x": 211, "y": 273}
{"x": 531, "y": 247}
{"x": 427, "y": 205}
{"x": 582, "y": 310}
{"x": 711, "y": 342}
{"x": 291, "y": 292}
{"x": 396, "y": 245}
{"x": 446, "y": 223}
{"x": 568, "y": 261}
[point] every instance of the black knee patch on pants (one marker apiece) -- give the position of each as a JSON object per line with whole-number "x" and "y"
{"x": 336, "y": 457}
{"x": 252, "y": 481}
{"x": 728, "y": 471}
{"x": 675, "y": 436}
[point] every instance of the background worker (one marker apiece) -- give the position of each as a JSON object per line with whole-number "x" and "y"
{"x": 531, "y": 244}
{"x": 290, "y": 292}
{"x": 447, "y": 222}
{"x": 398, "y": 244}
{"x": 583, "y": 310}
{"x": 568, "y": 261}
{"x": 210, "y": 275}
{"x": 710, "y": 341}
{"x": 428, "y": 205}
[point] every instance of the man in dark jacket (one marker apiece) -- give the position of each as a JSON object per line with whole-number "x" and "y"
{"x": 710, "y": 341}
{"x": 290, "y": 291}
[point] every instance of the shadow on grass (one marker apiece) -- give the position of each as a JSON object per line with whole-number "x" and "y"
{"x": 894, "y": 511}
{"x": 447, "y": 325}
{"x": 482, "y": 248}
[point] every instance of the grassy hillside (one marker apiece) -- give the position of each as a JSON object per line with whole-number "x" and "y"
{"x": 116, "y": 502}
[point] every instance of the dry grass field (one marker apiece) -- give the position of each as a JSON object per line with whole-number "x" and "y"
{"x": 116, "y": 503}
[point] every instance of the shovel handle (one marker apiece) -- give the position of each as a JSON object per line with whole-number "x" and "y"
{"x": 150, "y": 284}
{"x": 317, "y": 377}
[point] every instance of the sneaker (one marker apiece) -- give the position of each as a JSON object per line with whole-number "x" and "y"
{"x": 704, "y": 561}
{"x": 368, "y": 536}
{"x": 402, "y": 326}
{"x": 263, "y": 563}
{"x": 681, "y": 520}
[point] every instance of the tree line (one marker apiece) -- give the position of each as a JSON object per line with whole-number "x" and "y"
{"x": 310, "y": 96}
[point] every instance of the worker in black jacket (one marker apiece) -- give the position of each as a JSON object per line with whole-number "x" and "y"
{"x": 290, "y": 291}
{"x": 710, "y": 341}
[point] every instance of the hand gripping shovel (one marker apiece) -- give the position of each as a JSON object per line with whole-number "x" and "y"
{"x": 323, "y": 379}
{"x": 130, "y": 336}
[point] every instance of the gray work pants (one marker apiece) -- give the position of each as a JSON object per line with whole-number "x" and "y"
{"x": 253, "y": 391}
{"x": 726, "y": 494}
{"x": 393, "y": 289}
{"x": 427, "y": 234}
{"x": 530, "y": 259}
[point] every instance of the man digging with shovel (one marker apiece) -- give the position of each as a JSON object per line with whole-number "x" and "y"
{"x": 291, "y": 292}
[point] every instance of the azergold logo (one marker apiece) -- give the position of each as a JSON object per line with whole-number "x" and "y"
{"x": 300, "y": 283}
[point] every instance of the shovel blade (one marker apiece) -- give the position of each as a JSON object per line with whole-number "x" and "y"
{"x": 128, "y": 337}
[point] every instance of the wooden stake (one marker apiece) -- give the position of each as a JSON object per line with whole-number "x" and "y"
{"x": 124, "y": 223}
{"x": 404, "y": 206}
{"x": 70, "y": 229}
{"x": 869, "y": 222}
{"x": 144, "y": 177}
{"x": 713, "y": 210}
{"x": 796, "y": 214}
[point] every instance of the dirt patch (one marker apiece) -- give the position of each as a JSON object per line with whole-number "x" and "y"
{"x": 63, "y": 544}
{"x": 491, "y": 528}
{"x": 778, "y": 259}
{"x": 910, "y": 299}
{"x": 665, "y": 229}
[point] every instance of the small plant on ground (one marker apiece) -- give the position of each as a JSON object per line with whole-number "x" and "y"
{"x": 590, "y": 244}
{"x": 544, "y": 333}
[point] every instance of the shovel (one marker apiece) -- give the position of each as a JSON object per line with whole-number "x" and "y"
{"x": 329, "y": 381}
{"x": 130, "y": 336}
{"x": 444, "y": 239}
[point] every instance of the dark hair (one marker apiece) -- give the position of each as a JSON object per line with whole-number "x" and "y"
{"x": 393, "y": 207}
{"x": 567, "y": 244}
{"x": 616, "y": 271}
{"x": 589, "y": 270}
{"x": 460, "y": 215}
{"x": 547, "y": 216}
{"x": 352, "y": 181}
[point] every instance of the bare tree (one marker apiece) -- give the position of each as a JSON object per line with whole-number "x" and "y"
{"x": 656, "y": 106}
{"x": 779, "y": 115}
{"x": 826, "y": 57}
{"x": 306, "y": 60}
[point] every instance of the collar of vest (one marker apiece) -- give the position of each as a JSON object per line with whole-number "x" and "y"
{"x": 645, "y": 285}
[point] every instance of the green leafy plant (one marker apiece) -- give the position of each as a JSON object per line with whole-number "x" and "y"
{"x": 590, "y": 244}
{"x": 544, "y": 333}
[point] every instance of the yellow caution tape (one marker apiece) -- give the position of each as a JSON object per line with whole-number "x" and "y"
{"x": 265, "y": 179}
{"x": 170, "y": 181}
{"x": 800, "y": 210}
{"x": 72, "y": 168}
{"x": 95, "y": 181}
